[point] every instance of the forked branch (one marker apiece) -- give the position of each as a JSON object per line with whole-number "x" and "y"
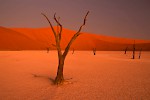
{"x": 56, "y": 36}
{"x": 75, "y": 36}
{"x": 57, "y": 21}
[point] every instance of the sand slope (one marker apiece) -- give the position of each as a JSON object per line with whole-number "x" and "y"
{"x": 106, "y": 76}
{"x": 12, "y": 40}
{"x": 42, "y": 38}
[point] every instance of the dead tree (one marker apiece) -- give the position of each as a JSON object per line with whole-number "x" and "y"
{"x": 73, "y": 51}
{"x": 94, "y": 51}
{"x": 140, "y": 53}
{"x": 133, "y": 50}
{"x": 126, "y": 50}
{"x": 47, "y": 50}
{"x": 62, "y": 55}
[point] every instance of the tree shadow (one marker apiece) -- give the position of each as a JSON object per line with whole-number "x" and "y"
{"x": 52, "y": 80}
{"x": 43, "y": 76}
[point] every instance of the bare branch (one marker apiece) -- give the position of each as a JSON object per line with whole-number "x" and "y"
{"x": 75, "y": 36}
{"x": 56, "y": 38}
{"x": 54, "y": 45}
{"x": 50, "y": 24}
{"x": 57, "y": 21}
{"x": 58, "y": 25}
{"x": 83, "y": 22}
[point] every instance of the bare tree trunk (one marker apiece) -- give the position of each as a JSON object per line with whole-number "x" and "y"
{"x": 60, "y": 77}
{"x": 73, "y": 51}
{"x": 47, "y": 50}
{"x": 133, "y": 53}
{"x": 140, "y": 53}
{"x": 94, "y": 51}
{"x": 126, "y": 50}
{"x": 133, "y": 50}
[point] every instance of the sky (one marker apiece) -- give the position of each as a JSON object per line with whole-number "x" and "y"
{"x": 120, "y": 18}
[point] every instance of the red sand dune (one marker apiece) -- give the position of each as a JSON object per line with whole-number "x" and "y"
{"x": 41, "y": 38}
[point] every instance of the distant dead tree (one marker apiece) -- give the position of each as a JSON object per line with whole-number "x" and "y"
{"x": 47, "y": 50}
{"x": 73, "y": 51}
{"x": 94, "y": 51}
{"x": 60, "y": 77}
{"x": 125, "y": 50}
{"x": 140, "y": 53}
{"x": 133, "y": 50}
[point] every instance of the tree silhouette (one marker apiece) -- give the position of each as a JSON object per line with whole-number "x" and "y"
{"x": 94, "y": 51}
{"x": 48, "y": 49}
{"x": 133, "y": 50}
{"x": 73, "y": 51}
{"x": 140, "y": 53}
{"x": 59, "y": 77}
{"x": 125, "y": 50}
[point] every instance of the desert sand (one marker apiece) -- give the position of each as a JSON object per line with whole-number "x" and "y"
{"x": 109, "y": 75}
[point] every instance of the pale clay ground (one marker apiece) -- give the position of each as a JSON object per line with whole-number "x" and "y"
{"x": 110, "y": 75}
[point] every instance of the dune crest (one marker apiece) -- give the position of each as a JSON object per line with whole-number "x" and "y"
{"x": 42, "y": 38}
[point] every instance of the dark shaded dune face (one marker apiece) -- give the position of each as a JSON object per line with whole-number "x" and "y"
{"x": 42, "y": 38}
{"x": 143, "y": 46}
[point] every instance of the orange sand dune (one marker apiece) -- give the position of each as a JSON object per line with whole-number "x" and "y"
{"x": 42, "y": 38}
{"x": 12, "y": 40}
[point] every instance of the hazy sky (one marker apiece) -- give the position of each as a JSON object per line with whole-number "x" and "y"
{"x": 122, "y": 18}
